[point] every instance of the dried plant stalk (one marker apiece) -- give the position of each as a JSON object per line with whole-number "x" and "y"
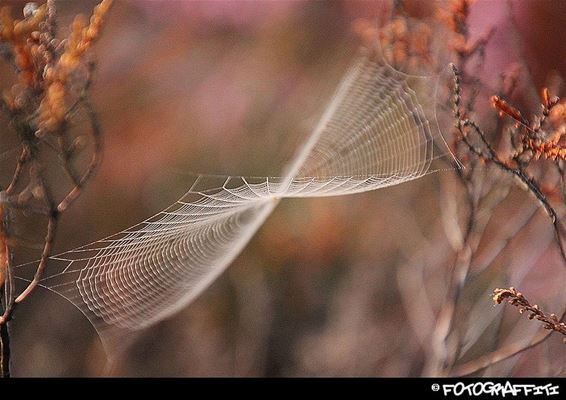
{"x": 53, "y": 80}
{"x": 512, "y": 296}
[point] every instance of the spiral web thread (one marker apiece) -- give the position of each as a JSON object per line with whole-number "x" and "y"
{"x": 374, "y": 133}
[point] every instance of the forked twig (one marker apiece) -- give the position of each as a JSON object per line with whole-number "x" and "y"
{"x": 490, "y": 155}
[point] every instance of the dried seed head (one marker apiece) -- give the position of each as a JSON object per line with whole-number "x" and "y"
{"x": 30, "y": 9}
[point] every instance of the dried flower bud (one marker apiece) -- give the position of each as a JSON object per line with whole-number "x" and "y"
{"x": 545, "y": 97}
{"x": 505, "y": 109}
{"x": 30, "y": 9}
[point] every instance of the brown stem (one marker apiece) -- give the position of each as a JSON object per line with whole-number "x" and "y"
{"x": 4, "y": 351}
{"x": 49, "y": 240}
{"x": 53, "y": 216}
{"x": 91, "y": 169}
{"x": 22, "y": 161}
{"x": 6, "y": 295}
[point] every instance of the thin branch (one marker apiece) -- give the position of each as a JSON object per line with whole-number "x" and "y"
{"x": 7, "y": 286}
{"x": 491, "y": 156}
{"x": 22, "y": 161}
{"x": 51, "y": 230}
{"x": 511, "y": 230}
{"x": 49, "y": 240}
{"x": 516, "y": 299}
{"x": 95, "y": 161}
{"x": 502, "y": 354}
{"x": 4, "y": 351}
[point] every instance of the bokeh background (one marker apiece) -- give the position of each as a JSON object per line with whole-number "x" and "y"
{"x": 336, "y": 286}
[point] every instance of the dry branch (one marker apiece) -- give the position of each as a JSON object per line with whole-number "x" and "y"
{"x": 40, "y": 106}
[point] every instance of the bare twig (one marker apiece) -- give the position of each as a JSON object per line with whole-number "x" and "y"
{"x": 48, "y": 246}
{"x": 6, "y": 289}
{"x": 4, "y": 351}
{"x": 551, "y": 322}
{"x": 516, "y": 298}
{"x": 490, "y": 155}
{"x": 22, "y": 161}
{"x": 499, "y": 355}
{"x": 95, "y": 161}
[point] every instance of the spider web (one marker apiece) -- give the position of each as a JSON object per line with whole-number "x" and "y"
{"x": 376, "y": 132}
